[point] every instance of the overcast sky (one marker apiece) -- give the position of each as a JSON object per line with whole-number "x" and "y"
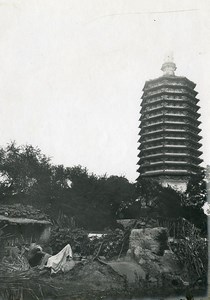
{"x": 72, "y": 73}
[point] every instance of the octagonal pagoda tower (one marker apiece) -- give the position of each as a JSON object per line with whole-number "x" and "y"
{"x": 169, "y": 129}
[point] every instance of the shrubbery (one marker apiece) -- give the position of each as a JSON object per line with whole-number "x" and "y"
{"x": 94, "y": 202}
{"x": 111, "y": 244}
{"x": 77, "y": 238}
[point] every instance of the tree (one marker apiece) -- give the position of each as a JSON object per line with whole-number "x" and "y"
{"x": 168, "y": 203}
{"x": 194, "y": 198}
{"x": 119, "y": 193}
{"x": 28, "y": 176}
{"x": 94, "y": 201}
{"x": 196, "y": 192}
{"x": 80, "y": 195}
{"x": 25, "y": 174}
{"x": 152, "y": 199}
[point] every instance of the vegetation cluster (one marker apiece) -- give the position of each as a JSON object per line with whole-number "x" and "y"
{"x": 74, "y": 196}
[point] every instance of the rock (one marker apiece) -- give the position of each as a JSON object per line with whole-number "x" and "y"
{"x": 170, "y": 263}
{"x": 130, "y": 270}
{"x": 153, "y": 239}
{"x": 69, "y": 265}
{"x": 102, "y": 257}
{"x": 142, "y": 261}
{"x": 148, "y": 248}
{"x": 130, "y": 253}
{"x": 153, "y": 280}
{"x": 149, "y": 255}
{"x": 138, "y": 252}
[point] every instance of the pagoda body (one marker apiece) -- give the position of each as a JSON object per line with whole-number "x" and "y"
{"x": 169, "y": 129}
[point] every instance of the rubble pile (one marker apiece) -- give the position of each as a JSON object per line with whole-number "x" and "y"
{"x": 133, "y": 260}
{"x": 149, "y": 248}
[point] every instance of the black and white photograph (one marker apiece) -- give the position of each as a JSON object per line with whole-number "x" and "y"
{"x": 104, "y": 166}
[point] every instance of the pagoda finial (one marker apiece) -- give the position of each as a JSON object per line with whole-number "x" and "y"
{"x": 169, "y": 67}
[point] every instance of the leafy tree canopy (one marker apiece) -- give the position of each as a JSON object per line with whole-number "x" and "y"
{"x": 24, "y": 171}
{"x": 27, "y": 176}
{"x": 196, "y": 192}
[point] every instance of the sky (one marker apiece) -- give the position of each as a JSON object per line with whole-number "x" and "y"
{"x": 72, "y": 73}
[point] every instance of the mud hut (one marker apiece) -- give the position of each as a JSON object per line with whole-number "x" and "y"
{"x": 22, "y": 224}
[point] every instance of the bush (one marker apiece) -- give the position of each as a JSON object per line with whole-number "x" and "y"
{"x": 77, "y": 238}
{"x": 111, "y": 244}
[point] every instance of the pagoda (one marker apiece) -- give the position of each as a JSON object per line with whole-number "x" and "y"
{"x": 169, "y": 129}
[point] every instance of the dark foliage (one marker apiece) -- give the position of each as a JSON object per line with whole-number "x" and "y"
{"x": 192, "y": 251}
{"x": 77, "y": 238}
{"x": 196, "y": 192}
{"x": 194, "y": 198}
{"x": 25, "y": 175}
{"x": 94, "y": 202}
{"x": 111, "y": 244}
{"x": 152, "y": 200}
{"x": 29, "y": 177}
{"x": 168, "y": 203}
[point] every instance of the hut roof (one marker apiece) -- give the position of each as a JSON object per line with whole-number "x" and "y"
{"x": 22, "y": 214}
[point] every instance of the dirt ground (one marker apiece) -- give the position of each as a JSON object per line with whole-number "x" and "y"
{"x": 91, "y": 280}
{"x": 84, "y": 281}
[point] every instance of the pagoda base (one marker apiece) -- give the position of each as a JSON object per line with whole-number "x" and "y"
{"x": 178, "y": 183}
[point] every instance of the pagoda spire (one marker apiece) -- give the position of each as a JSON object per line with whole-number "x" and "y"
{"x": 169, "y": 67}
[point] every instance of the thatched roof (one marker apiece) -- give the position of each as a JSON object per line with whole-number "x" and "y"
{"x": 22, "y": 214}
{"x": 23, "y": 221}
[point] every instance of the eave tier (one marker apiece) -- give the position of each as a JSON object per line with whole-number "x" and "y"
{"x": 171, "y": 152}
{"x": 170, "y": 91}
{"x": 176, "y": 124}
{"x": 163, "y": 116}
{"x": 161, "y": 152}
{"x": 168, "y": 166}
{"x": 171, "y": 146}
{"x": 169, "y": 98}
{"x": 170, "y": 88}
{"x": 164, "y": 130}
{"x": 169, "y": 158}
{"x": 164, "y": 139}
{"x": 177, "y": 136}
{"x": 168, "y": 173}
{"x": 194, "y": 145}
{"x": 168, "y": 178}
{"x": 162, "y": 107}
{"x": 168, "y": 163}
{"x": 171, "y": 149}
{"x": 169, "y": 80}
{"x": 176, "y": 97}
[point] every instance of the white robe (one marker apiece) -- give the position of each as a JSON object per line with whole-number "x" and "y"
{"x": 57, "y": 262}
